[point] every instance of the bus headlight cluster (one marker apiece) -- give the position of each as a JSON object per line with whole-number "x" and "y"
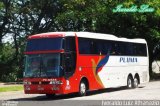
{"x": 27, "y": 83}
{"x": 27, "y": 88}
{"x": 59, "y": 82}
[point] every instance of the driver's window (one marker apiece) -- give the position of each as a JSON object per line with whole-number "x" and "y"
{"x": 69, "y": 63}
{"x": 70, "y": 54}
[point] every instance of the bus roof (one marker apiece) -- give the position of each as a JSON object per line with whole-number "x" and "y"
{"x": 85, "y": 35}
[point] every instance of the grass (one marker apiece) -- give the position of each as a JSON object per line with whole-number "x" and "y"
{"x": 11, "y": 88}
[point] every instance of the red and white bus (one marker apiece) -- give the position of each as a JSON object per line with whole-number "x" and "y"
{"x": 67, "y": 62}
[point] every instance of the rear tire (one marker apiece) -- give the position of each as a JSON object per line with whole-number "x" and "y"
{"x": 129, "y": 82}
{"x": 135, "y": 83}
{"x": 82, "y": 88}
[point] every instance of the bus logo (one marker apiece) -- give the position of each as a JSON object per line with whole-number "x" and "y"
{"x": 128, "y": 60}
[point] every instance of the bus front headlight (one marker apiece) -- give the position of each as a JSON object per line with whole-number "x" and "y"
{"x": 27, "y": 83}
{"x": 59, "y": 82}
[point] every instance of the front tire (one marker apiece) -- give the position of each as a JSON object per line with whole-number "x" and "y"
{"x": 82, "y": 88}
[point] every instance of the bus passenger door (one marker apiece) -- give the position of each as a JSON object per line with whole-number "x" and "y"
{"x": 70, "y": 56}
{"x": 69, "y": 64}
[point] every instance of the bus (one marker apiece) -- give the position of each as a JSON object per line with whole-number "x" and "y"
{"x": 69, "y": 62}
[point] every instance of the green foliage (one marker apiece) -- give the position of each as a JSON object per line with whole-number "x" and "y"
{"x": 11, "y": 88}
{"x": 21, "y": 18}
{"x": 8, "y": 70}
{"x": 6, "y": 53}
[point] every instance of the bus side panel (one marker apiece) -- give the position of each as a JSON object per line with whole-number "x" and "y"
{"x": 116, "y": 71}
{"x": 87, "y": 67}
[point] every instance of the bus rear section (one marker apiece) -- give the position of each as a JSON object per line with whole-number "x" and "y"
{"x": 114, "y": 61}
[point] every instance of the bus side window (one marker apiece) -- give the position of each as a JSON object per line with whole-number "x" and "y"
{"x": 85, "y": 46}
{"x": 96, "y": 47}
{"x": 113, "y": 49}
{"x": 141, "y": 50}
{"x": 117, "y": 48}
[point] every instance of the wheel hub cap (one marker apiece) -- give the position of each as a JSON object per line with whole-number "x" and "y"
{"x": 83, "y": 88}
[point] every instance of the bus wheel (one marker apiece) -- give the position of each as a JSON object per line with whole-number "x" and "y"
{"x": 135, "y": 84}
{"x": 129, "y": 82}
{"x": 50, "y": 95}
{"x": 82, "y": 88}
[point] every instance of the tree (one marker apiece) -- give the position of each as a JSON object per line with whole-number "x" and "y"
{"x": 22, "y": 18}
{"x": 98, "y": 16}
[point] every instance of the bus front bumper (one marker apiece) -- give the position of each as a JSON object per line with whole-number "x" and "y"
{"x": 43, "y": 89}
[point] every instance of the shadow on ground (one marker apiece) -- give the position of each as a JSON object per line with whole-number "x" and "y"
{"x": 69, "y": 96}
{"x": 155, "y": 77}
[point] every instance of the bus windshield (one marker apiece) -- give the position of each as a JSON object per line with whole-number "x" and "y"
{"x": 43, "y": 65}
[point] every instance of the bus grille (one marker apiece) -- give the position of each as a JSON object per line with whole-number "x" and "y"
{"x": 39, "y": 82}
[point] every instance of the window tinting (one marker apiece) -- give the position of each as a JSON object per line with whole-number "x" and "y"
{"x": 128, "y": 49}
{"x": 70, "y": 56}
{"x": 70, "y": 44}
{"x": 140, "y": 49}
{"x": 85, "y": 46}
{"x": 44, "y": 44}
{"x": 96, "y": 46}
{"x": 102, "y": 46}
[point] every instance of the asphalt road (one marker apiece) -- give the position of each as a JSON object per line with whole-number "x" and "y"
{"x": 149, "y": 91}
